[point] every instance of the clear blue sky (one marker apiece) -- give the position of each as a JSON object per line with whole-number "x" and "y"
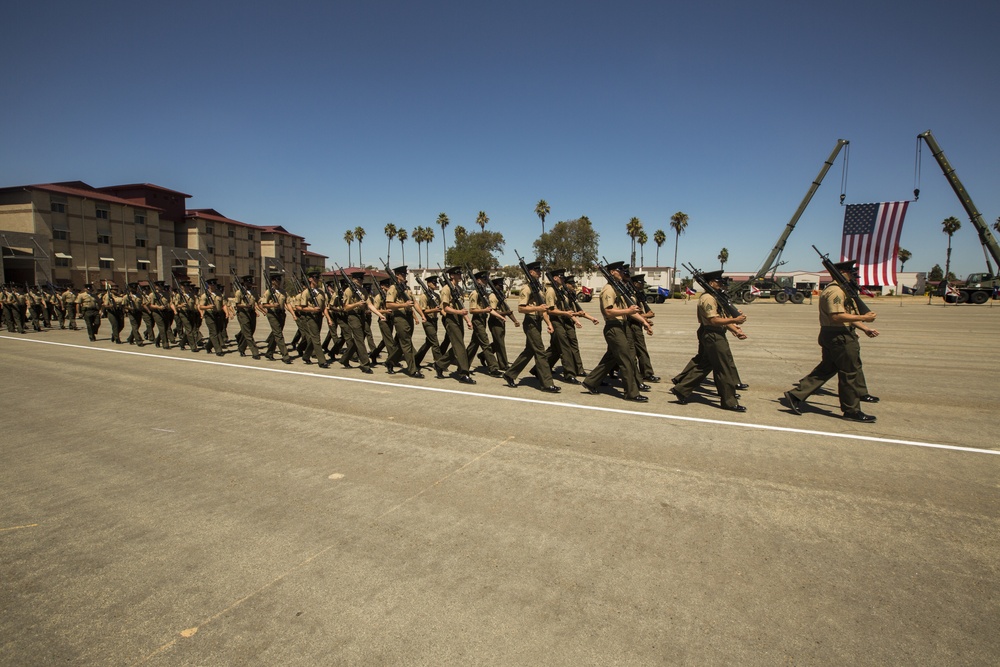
{"x": 324, "y": 116}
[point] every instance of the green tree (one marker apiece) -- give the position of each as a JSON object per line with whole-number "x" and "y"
{"x": 642, "y": 239}
{"x": 904, "y": 256}
{"x": 632, "y": 228}
{"x": 571, "y": 244}
{"x": 418, "y": 236}
{"x": 390, "y": 233}
{"x": 542, "y": 209}
{"x": 935, "y": 274}
{"x": 349, "y": 237}
{"x": 443, "y": 221}
{"x": 659, "y": 238}
{"x": 723, "y": 258}
{"x": 359, "y": 235}
{"x": 678, "y": 223}
{"x": 479, "y": 249}
{"x": 482, "y": 219}
{"x": 950, "y": 226}
{"x": 996, "y": 225}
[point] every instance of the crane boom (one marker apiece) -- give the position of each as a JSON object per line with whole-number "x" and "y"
{"x": 985, "y": 237}
{"x": 769, "y": 262}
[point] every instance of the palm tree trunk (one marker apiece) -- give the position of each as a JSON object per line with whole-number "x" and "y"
{"x": 947, "y": 261}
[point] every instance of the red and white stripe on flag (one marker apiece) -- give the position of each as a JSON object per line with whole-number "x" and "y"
{"x": 871, "y": 236}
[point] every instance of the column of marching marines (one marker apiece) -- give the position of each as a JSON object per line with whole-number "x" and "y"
{"x": 446, "y": 309}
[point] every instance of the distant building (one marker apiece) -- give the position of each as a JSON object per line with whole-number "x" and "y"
{"x": 71, "y": 233}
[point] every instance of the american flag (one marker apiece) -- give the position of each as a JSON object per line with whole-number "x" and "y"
{"x": 871, "y": 236}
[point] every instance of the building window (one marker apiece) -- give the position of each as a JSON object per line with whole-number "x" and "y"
{"x": 140, "y": 243}
{"x": 60, "y": 234}
{"x": 105, "y": 264}
{"x": 253, "y": 271}
{"x": 209, "y": 229}
{"x": 58, "y": 207}
{"x": 142, "y": 265}
{"x": 251, "y": 254}
{"x": 102, "y": 213}
{"x": 250, "y": 235}
{"x": 62, "y": 262}
{"x": 104, "y": 238}
{"x": 210, "y": 249}
{"x": 232, "y": 233}
{"x": 140, "y": 218}
{"x": 232, "y": 252}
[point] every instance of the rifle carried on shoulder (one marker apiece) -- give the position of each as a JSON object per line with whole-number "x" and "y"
{"x": 484, "y": 295}
{"x": 533, "y": 283}
{"x": 850, "y": 289}
{"x": 432, "y": 298}
{"x": 725, "y": 304}
{"x": 623, "y": 292}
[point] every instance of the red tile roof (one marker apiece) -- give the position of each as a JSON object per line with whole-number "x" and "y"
{"x": 80, "y": 189}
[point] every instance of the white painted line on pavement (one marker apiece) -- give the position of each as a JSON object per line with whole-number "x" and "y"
{"x": 518, "y": 399}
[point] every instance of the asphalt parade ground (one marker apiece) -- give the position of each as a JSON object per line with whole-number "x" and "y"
{"x": 169, "y": 508}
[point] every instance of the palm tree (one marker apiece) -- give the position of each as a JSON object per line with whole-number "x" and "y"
{"x": 996, "y": 225}
{"x": 678, "y": 223}
{"x": 950, "y": 225}
{"x": 904, "y": 256}
{"x": 428, "y": 237}
{"x": 659, "y": 238}
{"x": 418, "y": 236}
{"x": 444, "y": 222}
{"x": 723, "y": 258}
{"x": 482, "y": 219}
{"x": 642, "y": 239}
{"x": 359, "y": 234}
{"x": 542, "y": 209}
{"x": 390, "y": 233}
{"x": 632, "y": 228}
{"x": 402, "y": 236}
{"x": 349, "y": 237}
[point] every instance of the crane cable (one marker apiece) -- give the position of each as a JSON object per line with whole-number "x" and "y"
{"x": 843, "y": 174}
{"x": 916, "y": 170}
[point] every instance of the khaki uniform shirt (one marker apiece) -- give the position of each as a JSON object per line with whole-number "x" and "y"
{"x": 243, "y": 301}
{"x": 425, "y": 305}
{"x": 86, "y": 301}
{"x": 708, "y": 308}
{"x": 833, "y": 300}
{"x": 609, "y": 299}
{"x": 273, "y": 296}
{"x": 446, "y": 297}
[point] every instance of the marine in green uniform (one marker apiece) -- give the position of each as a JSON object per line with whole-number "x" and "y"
{"x": 480, "y": 339}
{"x": 714, "y": 355}
{"x": 574, "y": 341}
{"x": 619, "y": 353}
{"x": 113, "y": 304}
{"x": 211, "y": 305}
{"x": 404, "y": 311}
{"x": 838, "y": 338}
{"x": 310, "y": 307}
{"x": 532, "y": 306}
{"x": 455, "y": 315}
{"x": 272, "y": 301}
{"x": 430, "y": 307}
{"x": 638, "y": 339}
{"x": 245, "y": 304}
{"x": 89, "y": 308}
{"x": 498, "y": 322}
